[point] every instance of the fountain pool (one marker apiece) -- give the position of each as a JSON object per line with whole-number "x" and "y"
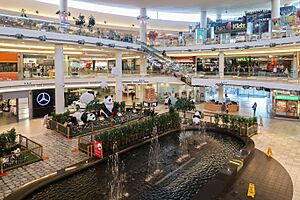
{"x": 207, "y": 152}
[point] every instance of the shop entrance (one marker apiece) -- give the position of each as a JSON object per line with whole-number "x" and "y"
{"x": 8, "y": 111}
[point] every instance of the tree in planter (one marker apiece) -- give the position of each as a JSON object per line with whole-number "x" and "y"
{"x": 7, "y": 141}
{"x": 184, "y": 105}
{"x": 92, "y": 23}
{"x": 61, "y": 118}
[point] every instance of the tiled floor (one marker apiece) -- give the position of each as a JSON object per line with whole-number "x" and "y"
{"x": 271, "y": 180}
{"x": 56, "y": 147}
{"x": 282, "y": 135}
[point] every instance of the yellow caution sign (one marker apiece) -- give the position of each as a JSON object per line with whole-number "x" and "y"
{"x": 269, "y": 152}
{"x": 251, "y": 190}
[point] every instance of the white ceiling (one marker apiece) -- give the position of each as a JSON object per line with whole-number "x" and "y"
{"x": 187, "y": 6}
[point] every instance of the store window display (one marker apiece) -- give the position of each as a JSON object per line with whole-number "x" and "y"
{"x": 287, "y": 105}
{"x": 37, "y": 66}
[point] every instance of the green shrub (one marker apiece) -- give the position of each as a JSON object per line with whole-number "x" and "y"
{"x": 7, "y": 141}
{"x": 139, "y": 129}
{"x": 61, "y": 118}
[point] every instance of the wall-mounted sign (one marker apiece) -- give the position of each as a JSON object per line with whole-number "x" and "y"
{"x": 227, "y": 27}
{"x": 43, "y": 99}
{"x": 98, "y": 149}
{"x": 222, "y": 27}
{"x": 42, "y": 102}
{"x": 238, "y": 26}
{"x": 286, "y": 97}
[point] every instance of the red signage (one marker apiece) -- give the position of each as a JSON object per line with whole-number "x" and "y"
{"x": 98, "y": 149}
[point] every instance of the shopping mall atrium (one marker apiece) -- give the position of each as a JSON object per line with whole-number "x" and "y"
{"x": 149, "y": 100}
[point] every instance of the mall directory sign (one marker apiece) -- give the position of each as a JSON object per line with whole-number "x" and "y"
{"x": 286, "y": 97}
{"x": 42, "y": 102}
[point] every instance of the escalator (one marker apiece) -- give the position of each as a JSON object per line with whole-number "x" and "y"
{"x": 177, "y": 70}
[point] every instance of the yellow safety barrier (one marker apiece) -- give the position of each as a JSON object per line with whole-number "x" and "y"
{"x": 269, "y": 152}
{"x": 251, "y": 190}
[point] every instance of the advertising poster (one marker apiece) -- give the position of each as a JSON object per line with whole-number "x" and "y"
{"x": 98, "y": 149}
{"x": 42, "y": 102}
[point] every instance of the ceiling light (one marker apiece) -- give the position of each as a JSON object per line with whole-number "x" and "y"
{"x": 81, "y": 42}
{"x": 19, "y": 36}
{"x": 99, "y": 44}
{"x": 42, "y": 38}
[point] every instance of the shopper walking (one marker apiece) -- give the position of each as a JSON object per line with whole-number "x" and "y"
{"x": 254, "y": 108}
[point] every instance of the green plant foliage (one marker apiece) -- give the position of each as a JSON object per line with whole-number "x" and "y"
{"x": 184, "y": 104}
{"x": 94, "y": 105}
{"x": 60, "y": 118}
{"x": 7, "y": 141}
{"x": 132, "y": 132}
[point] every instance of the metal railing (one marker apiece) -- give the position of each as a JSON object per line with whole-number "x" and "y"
{"x": 50, "y": 26}
{"x": 108, "y": 33}
{"x": 30, "y": 152}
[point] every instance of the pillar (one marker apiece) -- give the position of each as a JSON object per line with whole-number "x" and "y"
{"x": 63, "y": 11}
{"x": 119, "y": 86}
{"x": 141, "y": 92}
{"x": 143, "y": 65}
{"x": 275, "y": 12}
{"x": 203, "y": 22}
{"x": 221, "y": 94}
{"x": 219, "y": 16}
{"x": 295, "y": 68}
{"x": 221, "y": 64}
{"x": 143, "y": 24}
{"x": 59, "y": 80}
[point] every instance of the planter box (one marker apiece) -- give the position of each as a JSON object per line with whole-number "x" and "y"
{"x": 30, "y": 152}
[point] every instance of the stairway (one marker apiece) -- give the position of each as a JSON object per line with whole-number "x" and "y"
{"x": 178, "y": 70}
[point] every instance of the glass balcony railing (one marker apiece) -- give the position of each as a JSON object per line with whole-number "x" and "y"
{"x": 49, "y": 26}
{"x": 163, "y": 39}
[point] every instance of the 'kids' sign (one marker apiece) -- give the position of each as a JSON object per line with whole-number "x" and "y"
{"x": 98, "y": 149}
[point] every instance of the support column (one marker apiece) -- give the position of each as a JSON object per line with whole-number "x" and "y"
{"x": 143, "y": 65}
{"x": 219, "y": 16}
{"x": 141, "y": 92}
{"x": 119, "y": 86}
{"x": 143, "y": 24}
{"x": 203, "y": 22}
{"x": 221, "y": 64}
{"x": 63, "y": 11}
{"x": 59, "y": 80}
{"x": 275, "y": 13}
{"x": 295, "y": 68}
{"x": 221, "y": 94}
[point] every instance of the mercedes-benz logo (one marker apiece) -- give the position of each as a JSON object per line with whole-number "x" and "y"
{"x": 43, "y": 99}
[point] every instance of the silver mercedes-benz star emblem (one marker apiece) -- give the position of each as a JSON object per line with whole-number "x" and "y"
{"x": 43, "y": 99}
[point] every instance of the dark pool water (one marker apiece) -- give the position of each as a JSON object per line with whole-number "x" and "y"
{"x": 180, "y": 180}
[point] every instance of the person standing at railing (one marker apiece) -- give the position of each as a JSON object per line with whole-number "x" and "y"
{"x": 254, "y": 108}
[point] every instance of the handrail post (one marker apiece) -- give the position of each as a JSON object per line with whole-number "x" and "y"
{"x": 1, "y": 165}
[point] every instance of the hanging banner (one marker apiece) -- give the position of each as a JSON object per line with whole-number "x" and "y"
{"x": 98, "y": 149}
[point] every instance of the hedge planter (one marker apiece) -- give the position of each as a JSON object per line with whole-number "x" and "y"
{"x": 89, "y": 128}
{"x": 30, "y": 152}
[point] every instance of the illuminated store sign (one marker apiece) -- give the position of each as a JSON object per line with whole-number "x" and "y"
{"x": 287, "y": 97}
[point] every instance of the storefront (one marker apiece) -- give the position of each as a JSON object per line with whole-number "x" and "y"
{"x": 231, "y": 31}
{"x": 286, "y": 105}
{"x": 38, "y": 66}
{"x": 14, "y": 106}
{"x": 8, "y": 66}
